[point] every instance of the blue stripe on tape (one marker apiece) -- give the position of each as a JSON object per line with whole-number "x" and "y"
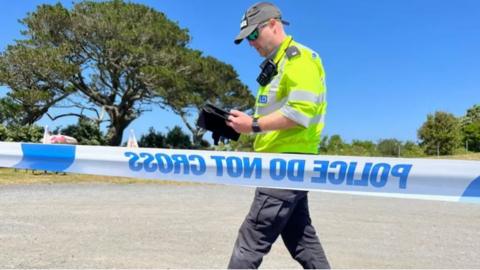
{"x": 47, "y": 157}
{"x": 473, "y": 190}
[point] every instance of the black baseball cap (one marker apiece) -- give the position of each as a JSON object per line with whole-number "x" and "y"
{"x": 255, "y": 15}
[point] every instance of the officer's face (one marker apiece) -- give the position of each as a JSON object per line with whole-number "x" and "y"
{"x": 262, "y": 39}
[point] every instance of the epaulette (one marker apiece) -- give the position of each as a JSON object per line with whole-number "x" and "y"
{"x": 292, "y": 52}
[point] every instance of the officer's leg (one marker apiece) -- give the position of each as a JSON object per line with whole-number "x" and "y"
{"x": 301, "y": 240}
{"x": 260, "y": 229}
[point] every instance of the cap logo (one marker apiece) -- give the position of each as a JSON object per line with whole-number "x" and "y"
{"x": 244, "y": 22}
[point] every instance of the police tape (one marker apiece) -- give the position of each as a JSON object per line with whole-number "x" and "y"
{"x": 446, "y": 180}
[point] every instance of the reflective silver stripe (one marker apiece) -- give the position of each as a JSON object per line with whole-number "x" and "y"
{"x": 319, "y": 119}
{"x": 275, "y": 83}
{"x": 264, "y": 110}
{"x": 301, "y": 118}
{"x": 296, "y": 116}
{"x": 303, "y": 95}
{"x": 299, "y": 95}
{"x": 271, "y": 97}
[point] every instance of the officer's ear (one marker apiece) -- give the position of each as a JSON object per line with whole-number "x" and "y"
{"x": 272, "y": 23}
{"x": 276, "y": 25}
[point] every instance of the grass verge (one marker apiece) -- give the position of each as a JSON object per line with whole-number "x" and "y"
{"x": 9, "y": 176}
{"x": 470, "y": 156}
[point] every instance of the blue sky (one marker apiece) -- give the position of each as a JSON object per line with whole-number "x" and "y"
{"x": 388, "y": 63}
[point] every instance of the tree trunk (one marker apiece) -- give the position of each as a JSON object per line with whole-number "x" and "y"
{"x": 118, "y": 123}
{"x": 197, "y": 137}
{"x": 197, "y": 133}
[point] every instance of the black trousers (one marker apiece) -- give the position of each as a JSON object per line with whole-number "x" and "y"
{"x": 270, "y": 217}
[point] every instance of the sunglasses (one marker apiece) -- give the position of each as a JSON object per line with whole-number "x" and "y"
{"x": 254, "y": 35}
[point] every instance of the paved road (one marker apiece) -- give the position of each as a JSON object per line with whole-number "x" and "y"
{"x": 194, "y": 226}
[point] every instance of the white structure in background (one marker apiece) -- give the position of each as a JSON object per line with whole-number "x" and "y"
{"x": 57, "y": 139}
{"x": 46, "y": 135}
{"x": 132, "y": 141}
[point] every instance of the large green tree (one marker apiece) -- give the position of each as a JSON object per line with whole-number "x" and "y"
{"x": 440, "y": 133}
{"x": 96, "y": 50}
{"x": 118, "y": 56}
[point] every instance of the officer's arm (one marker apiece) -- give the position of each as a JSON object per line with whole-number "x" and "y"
{"x": 306, "y": 90}
{"x": 275, "y": 121}
{"x": 242, "y": 122}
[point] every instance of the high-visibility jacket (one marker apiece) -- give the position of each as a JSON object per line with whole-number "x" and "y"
{"x": 298, "y": 92}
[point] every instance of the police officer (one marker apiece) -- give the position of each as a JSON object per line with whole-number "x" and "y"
{"x": 289, "y": 118}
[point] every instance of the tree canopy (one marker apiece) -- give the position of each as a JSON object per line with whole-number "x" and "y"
{"x": 116, "y": 56}
{"x": 440, "y": 134}
{"x": 471, "y": 129}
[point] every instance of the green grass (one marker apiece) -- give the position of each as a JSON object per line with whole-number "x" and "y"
{"x": 9, "y": 176}
{"x": 469, "y": 156}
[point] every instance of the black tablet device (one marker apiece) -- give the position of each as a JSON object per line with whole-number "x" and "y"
{"x": 214, "y": 119}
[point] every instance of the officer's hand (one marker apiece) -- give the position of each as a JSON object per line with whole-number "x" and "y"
{"x": 240, "y": 121}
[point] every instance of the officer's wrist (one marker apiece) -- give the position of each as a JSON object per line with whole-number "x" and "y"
{"x": 256, "y": 125}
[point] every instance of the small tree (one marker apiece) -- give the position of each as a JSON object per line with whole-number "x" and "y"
{"x": 336, "y": 145}
{"x": 471, "y": 129}
{"x": 177, "y": 139}
{"x": 389, "y": 147}
{"x": 411, "y": 149}
{"x": 86, "y": 132}
{"x": 471, "y": 136}
{"x": 153, "y": 139}
{"x": 440, "y": 134}
{"x": 25, "y": 133}
{"x": 363, "y": 148}
{"x": 323, "y": 146}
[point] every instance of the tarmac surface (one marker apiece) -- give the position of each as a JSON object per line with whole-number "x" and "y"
{"x": 195, "y": 226}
